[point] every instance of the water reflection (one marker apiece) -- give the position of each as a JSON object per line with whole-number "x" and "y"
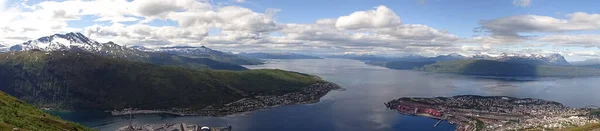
{"x": 361, "y": 107}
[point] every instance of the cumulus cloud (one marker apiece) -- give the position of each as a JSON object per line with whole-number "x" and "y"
{"x": 140, "y": 34}
{"x": 381, "y": 17}
{"x": 513, "y": 25}
{"x": 531, "y": 30}
{"x": 235, "y": 28}
{"x": 522, "y": 3}
{"x": 583, "y": 40}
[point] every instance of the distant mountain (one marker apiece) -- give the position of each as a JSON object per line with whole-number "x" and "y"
{"x": 362, "y": 57}
{"x": 77, "y": 42}
{"x": 552, "y": 59}
{"x": 408, "y": 58}
{"x": 401, "y": 65}
{"x": 203, "y": 52}
{"x": 87, "y": 81}
{"x": 415, "y": 62}
{"x": 595, "y": 61}
{"x": 261, "y": 55}
{"x": 16, "y": 114}
{"x": 3, "y": 48}
{"x": 449, "y": 57}
{"x": 501, "y": 68}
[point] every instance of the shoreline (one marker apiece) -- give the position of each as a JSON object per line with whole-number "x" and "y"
{"x": 308, "y": 95}
{"x": 470, "y": 112}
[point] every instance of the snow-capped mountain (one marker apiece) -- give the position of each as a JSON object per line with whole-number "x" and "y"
{"x": 551, "y": 59}
{"x": 77, "y": 42}
{"x": 449, "y": 57}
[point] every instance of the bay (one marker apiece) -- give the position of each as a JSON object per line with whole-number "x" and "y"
{"x": 360, "y": 107}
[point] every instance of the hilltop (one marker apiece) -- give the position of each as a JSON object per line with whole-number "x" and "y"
{"x": 16, "y": 114}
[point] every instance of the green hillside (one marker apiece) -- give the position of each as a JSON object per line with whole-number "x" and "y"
{"x": 498, "y": 68}
{"x": 189, "y": 62}
{"x": 18, "y": 114}
{"x": 68, "y": 80}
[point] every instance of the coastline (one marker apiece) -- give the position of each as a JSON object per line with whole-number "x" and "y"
{"x": 470, "y": 112}
{"x": 308, "y": 95}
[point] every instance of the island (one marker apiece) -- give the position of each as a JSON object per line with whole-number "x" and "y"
{"x": 471, "y": 112}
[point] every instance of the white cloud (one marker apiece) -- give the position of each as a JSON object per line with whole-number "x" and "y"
{"x": 584, "y": 40}
{"x": 382, "y": 17}
{"x": 378, "y": 30}
{"x": 138, "y": 34}
{"x": 513, "y": 25}
{"x": 239, "y": 1}
{"x": 522, "y": 3}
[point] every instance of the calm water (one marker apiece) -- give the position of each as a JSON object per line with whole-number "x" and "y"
{"x": 360, "y": 107}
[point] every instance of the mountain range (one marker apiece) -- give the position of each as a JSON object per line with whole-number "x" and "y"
{"x": 262, "y": 55}
{"x": 72, "y": 72}
{"x": 77, "y": 42}
{"x": 595, "y": 61}
{"x": 88, "y": 81}
{"x": 510, "y": 69}
{"x": 551, "y": 59}
{"x": 502, "y": 65}
{"x": 202, "y": 52}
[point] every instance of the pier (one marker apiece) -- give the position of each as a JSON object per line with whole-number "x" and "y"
{"x": 436, "y": 124}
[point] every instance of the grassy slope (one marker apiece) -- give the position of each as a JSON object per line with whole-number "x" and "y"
{"x": 16, "y": 113}
{"x": 498, "y": 68}
{"x": 87, "y": 81}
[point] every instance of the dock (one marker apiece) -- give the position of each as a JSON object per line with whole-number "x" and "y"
{"x": 436, "y": 124}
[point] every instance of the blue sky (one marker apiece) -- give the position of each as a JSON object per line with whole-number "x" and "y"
{"x": 384, "y": 27}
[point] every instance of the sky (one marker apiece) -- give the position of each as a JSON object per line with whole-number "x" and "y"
{"x": 321, "y": 27}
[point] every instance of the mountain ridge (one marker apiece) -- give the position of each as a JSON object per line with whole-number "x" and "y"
{"x": 550, "y": 59}
{"x": 263, "y": 55}
{"x": 73, "y": 80}
{"x": 202, "y": 52}
{"x": 77, "y": 42}
{"x": 501, "y": 68}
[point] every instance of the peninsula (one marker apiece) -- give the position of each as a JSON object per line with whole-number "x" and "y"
{"x": 470, "y": 112}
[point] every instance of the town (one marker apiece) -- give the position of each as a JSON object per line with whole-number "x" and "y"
{"x": 470, "y": 112}
{"x": 309, "y": 94}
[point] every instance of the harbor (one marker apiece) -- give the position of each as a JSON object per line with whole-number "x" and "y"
{"x": 495, "y": 112}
